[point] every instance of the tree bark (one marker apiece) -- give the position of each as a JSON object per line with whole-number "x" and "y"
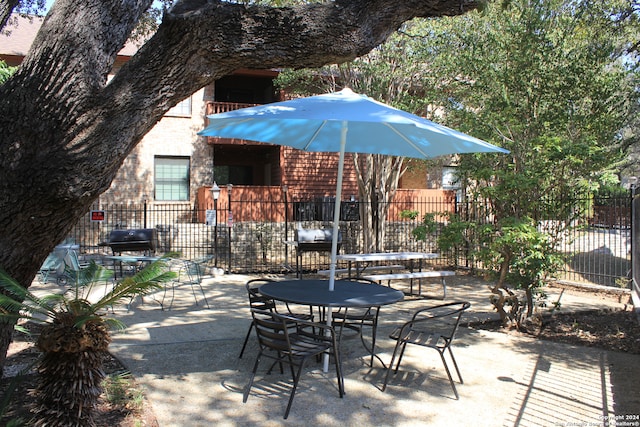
{"x": 373, "y": 170}
{"x": 65, "y": 131}
{"x": 6, "y": 6}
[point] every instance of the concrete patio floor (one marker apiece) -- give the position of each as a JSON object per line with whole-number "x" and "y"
{"x": 187, "y": 360}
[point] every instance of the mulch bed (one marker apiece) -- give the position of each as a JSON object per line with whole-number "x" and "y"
{"x": 615, "y": 330}
{"x": 22, "y": 354}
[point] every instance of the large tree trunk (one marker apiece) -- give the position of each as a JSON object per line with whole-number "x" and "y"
{"x": 65, "y": 131}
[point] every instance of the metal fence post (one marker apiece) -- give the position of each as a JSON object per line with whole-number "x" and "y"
{"x": 215, "y": 192}
{"x": 285, "y": 190}
{"x": 229, "y": 225}
{"x": 635, "y": 253}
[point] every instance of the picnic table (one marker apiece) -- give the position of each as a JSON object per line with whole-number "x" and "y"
{"x": 363, "y": 263}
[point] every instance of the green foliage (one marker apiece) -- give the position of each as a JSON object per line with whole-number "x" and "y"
{"x": 301, "y": 82}
{"x": 74, "y": 336}
{"x": 115, "y": 388}
{"x": 604, "y": 193}
{"x": 119, "y": 390}
{"x": 407, "y": 214}
{"x": 391, "y": 73}
{"x": 550, "y": 80}
{"x": 528, "y": 253}
{"x": 387, "y": 74}
{"x": 553, "y": 81}
{"x": 149, "y": 21}
{"x": 427, "y": 227}
{"x": 512, "y": 251}
{"x": 547, "y": 80}
{"x": 6, "y": 71}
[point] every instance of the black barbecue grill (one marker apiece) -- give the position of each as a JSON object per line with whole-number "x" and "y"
{"x": 313, "y": 240}
{"x": 133, "y": 240}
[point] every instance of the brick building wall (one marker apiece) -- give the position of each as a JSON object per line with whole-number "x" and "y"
{"x": 173, "y": 136}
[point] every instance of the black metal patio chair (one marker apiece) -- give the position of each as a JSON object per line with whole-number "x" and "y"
{"x": 260, "y": 302}
{"x": 431, "y": 327}
{"x": 292, "y": 341}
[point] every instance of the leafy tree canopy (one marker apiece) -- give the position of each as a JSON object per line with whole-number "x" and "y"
{"x": 553, "y": 81}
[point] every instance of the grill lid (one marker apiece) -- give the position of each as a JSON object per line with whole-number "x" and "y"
{"x": 137, "y": 239}
{"x": 315, "y": 235}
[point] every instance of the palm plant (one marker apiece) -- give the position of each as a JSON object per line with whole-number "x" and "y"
{"x": 74, "y": 337}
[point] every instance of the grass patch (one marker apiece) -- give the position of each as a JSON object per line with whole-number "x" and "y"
{"x": 121, "y": 390}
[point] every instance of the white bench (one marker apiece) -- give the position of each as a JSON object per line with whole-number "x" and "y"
{"x": 414, "y": 275}
{"x": 389, "y": 268}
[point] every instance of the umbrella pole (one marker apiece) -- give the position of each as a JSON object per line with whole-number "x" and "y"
{"x": 334, "y": 237}
{"x": 336, "y": 212}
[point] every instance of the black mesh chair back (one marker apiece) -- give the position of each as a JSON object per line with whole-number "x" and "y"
{"x": 292, "y": 341}
{"x": 256, "y": 301}
{"x": 259, "y": 301}
{"x": 432, "y": 327}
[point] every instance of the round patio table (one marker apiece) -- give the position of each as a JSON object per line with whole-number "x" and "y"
{"x": 136, "y": 261}
{"x": 346, "y": 293}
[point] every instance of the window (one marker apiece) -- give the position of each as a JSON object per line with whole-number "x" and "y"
{"x": 172, "y": 178}
{"x": 182, "y": 109}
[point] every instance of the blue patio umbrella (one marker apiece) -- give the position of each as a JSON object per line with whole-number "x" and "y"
{"x": 343, "y": 122}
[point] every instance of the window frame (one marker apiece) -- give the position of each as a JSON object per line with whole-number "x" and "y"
{"x": 178, "y": 186}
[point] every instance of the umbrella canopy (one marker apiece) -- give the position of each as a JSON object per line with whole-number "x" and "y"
{"x": 343, "y": 122}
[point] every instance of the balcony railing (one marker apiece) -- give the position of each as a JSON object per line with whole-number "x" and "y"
{"x": 223, "y": 107}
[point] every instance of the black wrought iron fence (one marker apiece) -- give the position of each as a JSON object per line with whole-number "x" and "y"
{"x": 254, "y": 238}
